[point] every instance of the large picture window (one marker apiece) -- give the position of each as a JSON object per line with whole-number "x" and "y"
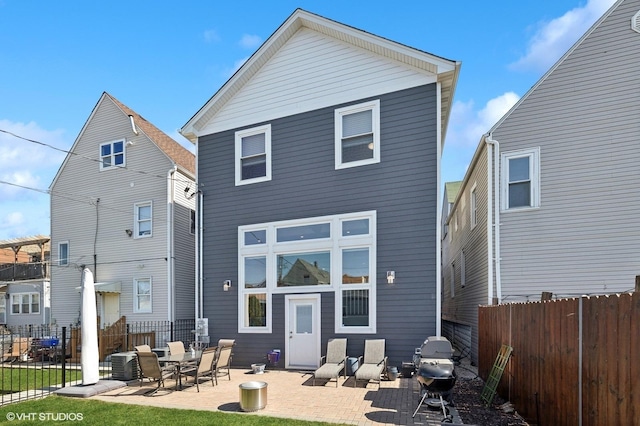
{"x": 324, "y": 254}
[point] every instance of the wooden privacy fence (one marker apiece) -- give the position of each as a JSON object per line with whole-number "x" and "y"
{"x": 574, "y": 361}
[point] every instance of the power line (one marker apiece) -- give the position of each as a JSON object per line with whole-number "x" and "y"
{"x": 97, "y": 160}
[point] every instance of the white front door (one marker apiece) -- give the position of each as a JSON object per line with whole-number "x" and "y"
{"x": 110, "y": 308}
{"x": 302, "y": 317}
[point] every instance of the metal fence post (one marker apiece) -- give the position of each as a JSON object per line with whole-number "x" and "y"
{"x": 63, "y": 356}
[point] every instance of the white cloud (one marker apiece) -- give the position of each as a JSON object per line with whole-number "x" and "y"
{"x": 249, "y": 41}
{"x": 553, "y": 38}
{"x": 211, "y": 36}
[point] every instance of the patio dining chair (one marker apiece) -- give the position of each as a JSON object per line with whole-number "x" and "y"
{"x": 150, "y": 369}
{"x": 333, "y": 362}
{"x": 204, "y": 368}
{"x": 222, "y": 366}
{"x": 176, "y": 348}
{"x": 143, "y": 348}
{"x": 373, "y": 362}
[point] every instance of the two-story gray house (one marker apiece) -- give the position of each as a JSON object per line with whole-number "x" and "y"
{"x": 548, "y": 203}
{"x": 318, "y": 170}
{"x": 120, "y": 206}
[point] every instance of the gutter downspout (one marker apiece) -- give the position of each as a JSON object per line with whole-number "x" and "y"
{"x": 438, "y": 276}
{"x": 170, "y": 242}
{"x": 497, "y": 189}
{"x": 490, "y": 148}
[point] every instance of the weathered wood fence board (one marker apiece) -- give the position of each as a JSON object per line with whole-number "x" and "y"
{"x": 574, "y": 361}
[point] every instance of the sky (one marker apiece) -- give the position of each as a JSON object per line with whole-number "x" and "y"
{"x": 165, "y": 59}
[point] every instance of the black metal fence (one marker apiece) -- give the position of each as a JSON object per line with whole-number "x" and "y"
{"x": 36, "y": 360}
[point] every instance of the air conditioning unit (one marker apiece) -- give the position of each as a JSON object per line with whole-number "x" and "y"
{"x": 124, "y": 366}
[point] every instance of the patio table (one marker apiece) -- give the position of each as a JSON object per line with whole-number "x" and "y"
{"x": 180, "y": 360}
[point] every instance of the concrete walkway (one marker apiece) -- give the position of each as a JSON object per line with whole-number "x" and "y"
{"x": 291, "y": 394}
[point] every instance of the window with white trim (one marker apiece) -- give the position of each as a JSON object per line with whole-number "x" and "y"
{"x": 520, "y": 179}
{"x": 63, "y": 253}
{"x": 112, "y": 155}
{"x": 143, "y": 219}
{"x": 325, "y": 254}
{"x": 357, "y": 135}
{"x": 25, "y": 303}
{"x": 452, "y": 281}
{"x": 253, "y": 155}
{"x": 473, "y": 210}
{"x": 142, "y": 295}
{"x": 463, "y": 278}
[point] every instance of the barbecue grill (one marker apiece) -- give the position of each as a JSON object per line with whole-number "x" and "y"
{"x": 435, "y": 372}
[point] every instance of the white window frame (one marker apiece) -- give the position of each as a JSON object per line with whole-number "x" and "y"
{"x": 463, "y": 277}
{"x": 473, "y": 209}
{"x": 452, "y": 281}
{"x": 137, "y": 295}
{"x": 374, "y": 107}
{"x": 20, "y": 295}
{"x": 533, "y": 154}
{"x": 112, "y": 155}
{"x": 137, "y": 220}
{"x": 63, "y": 261}
{"x": 266, "y": 129}
{"x": 335, "y": 245}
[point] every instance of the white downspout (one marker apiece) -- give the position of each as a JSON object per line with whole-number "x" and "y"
{"x": 170, "y": 219}
{"x": 489, "y": 222}
{"x": 200, "y": 274}
{"x": 497, "y": 188}
{"x": 438, "y": 213}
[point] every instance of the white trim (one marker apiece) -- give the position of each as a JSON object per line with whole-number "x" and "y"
{"x": 635, "y": 22}
{"x": 65, "y": 261}
{"x": 25, "y": 293}
{"x": 136, "y": 295}
{"x": 533, "y": 154}
{"x": 374, "y": 107}
{"x": 266, "y": 129}
{"x": 112, "y": 155}
{"x": 137, "y": 220}
{"x": 333, "y": 245}
{"x": 473, "y": 206}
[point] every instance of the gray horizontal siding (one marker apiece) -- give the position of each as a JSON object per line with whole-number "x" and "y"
{"x": 401, "y": 188}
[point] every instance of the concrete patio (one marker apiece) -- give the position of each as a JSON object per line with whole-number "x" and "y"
{"x": 291, "y": 394}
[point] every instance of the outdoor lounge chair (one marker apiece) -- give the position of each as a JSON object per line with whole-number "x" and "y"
{"x": 204, "y": 368}
{"x": 150, "y": 368}
{"x": 374, "y": 362}
{"x": 334, "y": 362}
{"x": 222, "y": 366}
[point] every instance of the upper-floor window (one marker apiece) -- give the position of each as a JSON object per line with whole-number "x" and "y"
{"x": 192, "y": 228}
{"x": 25, "y": 303}
{"x": 521, "y": 179}
{"x": 143, "y": 219}
{"x": 357, "y": 135}
{"x": 112, "y": 154}
{"x": 253, "y": 155}
{"x": 63, "y": 253}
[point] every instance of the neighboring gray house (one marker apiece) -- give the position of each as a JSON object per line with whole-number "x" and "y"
{"x": 120, "y": 205}
{"x": 553, "y": 184}
{"x": 323, "y": 150}
{"x": 24, "y": 281}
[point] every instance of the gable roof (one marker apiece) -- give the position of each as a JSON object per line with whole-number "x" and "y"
{"x": 445, "y": 70}
{"x": 179, "y": 155}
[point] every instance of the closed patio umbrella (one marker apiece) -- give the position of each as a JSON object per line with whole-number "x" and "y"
{"x": 89, "y": 357}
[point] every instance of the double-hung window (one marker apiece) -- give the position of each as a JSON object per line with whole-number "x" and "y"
{"x": 143, "y": 219}
{"x": 63, "y": 253}
{"x": 112, "y": 154}
{"x": 521, "y": 179}
{"x": 323, "y": 254}
{"x": 357, "y": 135}
{"x": 142, "y": 295}
{"x": 253, "y": 155}
{"x": 473, "y": 210}
{"x": 25, "y": 303}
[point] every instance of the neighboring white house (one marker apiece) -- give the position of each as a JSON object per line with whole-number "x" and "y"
{"x": 121, "y": 205}
{"x": 24, "y": 281}
{"x": 549, "y": 202}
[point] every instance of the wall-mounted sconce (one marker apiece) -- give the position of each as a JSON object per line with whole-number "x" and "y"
{"x": 6, "y": 295}
{"x": 227, "y": 285}
{"x": 391, "y": 276}
{"x": 129, "y": 232}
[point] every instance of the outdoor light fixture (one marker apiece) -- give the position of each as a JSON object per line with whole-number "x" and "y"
{"x": 391, "y": 276}
{"x": 129, "y": 232}
{"x": 227, "y": 285}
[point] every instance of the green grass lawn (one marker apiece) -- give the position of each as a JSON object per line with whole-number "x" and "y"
{"x": 54, "y": 409}
{"x": 21, "y": 379}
